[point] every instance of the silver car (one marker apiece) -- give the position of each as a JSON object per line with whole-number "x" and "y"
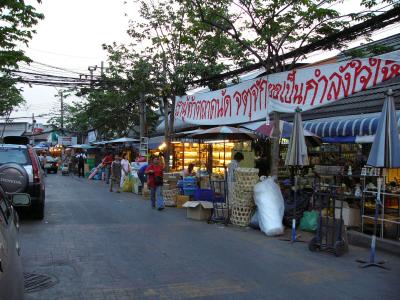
{"x": 11, "y": 276}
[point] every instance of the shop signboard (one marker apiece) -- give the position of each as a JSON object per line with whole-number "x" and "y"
{"x": 67, "y": 140}
{"x": 307, "y": 88}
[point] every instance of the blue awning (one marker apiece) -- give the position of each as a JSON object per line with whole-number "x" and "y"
{"x": 346, "y": 126}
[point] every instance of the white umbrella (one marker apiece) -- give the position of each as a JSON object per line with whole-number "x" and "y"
{"x": 296, "y": 157}
{"x": 385, "y": 153}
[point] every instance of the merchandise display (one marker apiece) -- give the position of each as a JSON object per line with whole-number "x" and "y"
{"x": 221, "y": 156}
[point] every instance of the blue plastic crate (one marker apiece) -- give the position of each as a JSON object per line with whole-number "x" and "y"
{"x": 203, "y": 195}
{"x": 189, "y": 191}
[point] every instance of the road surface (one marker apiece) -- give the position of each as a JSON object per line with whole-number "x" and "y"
{"x": 101, "y": 245}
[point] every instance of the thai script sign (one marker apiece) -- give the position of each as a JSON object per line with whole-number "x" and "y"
{"x": 307, "y": 88}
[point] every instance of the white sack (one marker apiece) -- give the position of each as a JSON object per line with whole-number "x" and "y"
{"x": 270, "y": 204}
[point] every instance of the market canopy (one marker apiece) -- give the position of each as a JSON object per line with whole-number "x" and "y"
{"x": 224, "y": 133}
{"x": 82, "y": 146}
{"x": 346, "y": 126}
{"x": 123, "y": 140}
{"x": 266, "y": 130}
{"x": 99, "y": 143}
{"x": 12, "y": 132}
{"x": 306, "y": 88}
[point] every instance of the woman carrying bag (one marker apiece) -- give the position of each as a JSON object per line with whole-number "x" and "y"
{"x": 125, "y": 169}
{"x": 155, "y": 180}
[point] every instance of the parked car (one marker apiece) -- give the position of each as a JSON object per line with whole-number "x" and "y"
{"x": 51, "y": 164}
{"x": 19, "y": 166}
{"x": 11, "y": 276}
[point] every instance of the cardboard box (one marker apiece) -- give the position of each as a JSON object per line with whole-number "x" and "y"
{"x": 181, "y": 200}
{"x": 205, "y": 182}
{"x": 351, "y": 216}
{"x": 198, "y": 210}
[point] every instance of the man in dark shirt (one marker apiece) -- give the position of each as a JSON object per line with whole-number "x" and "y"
{"x": 141, "y": 174}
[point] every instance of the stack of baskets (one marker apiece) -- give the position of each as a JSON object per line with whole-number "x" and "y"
{"x": 242, "y": 200}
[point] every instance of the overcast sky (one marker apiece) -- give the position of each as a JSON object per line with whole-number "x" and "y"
{"x": 71, "y": 36}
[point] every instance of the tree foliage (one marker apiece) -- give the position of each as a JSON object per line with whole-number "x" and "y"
{"x": 17, "y": 20}
{"x": 266, "y": 29}
{"x": 10, "y": 95}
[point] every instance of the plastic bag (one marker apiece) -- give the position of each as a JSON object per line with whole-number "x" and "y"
{"x": 128, "y": 184}
{"x": 270, "y": 207}
{"x": 309, "y": 221}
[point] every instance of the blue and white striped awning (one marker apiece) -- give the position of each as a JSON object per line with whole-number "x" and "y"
{"x": 346, "y": 126}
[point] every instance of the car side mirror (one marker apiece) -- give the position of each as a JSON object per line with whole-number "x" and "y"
{"x": 20, "y": 199}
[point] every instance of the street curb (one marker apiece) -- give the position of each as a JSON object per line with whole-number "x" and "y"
{"x": 363, "y": 240}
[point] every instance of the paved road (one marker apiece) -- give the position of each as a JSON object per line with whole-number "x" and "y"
{"x": 103, "y": 245}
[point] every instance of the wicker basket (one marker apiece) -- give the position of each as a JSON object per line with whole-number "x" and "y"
{"x": 241, "y": 215}
{"x": 170, "y": 197}
{"x": 246, "y": 178}
{"x": 242, "y": 198}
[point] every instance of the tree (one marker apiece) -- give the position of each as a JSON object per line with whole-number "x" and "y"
{"x": 10, "y": 96}
{"x": 17, "y": 20}
{"x": 267, "y": 30}
{"x": 179, "y": 48}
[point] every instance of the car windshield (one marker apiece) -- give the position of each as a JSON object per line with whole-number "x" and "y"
{"x": 13, "y": 155}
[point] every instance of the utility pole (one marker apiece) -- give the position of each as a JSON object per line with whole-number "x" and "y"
{"x": 142, "y": 114}
{"x": 275, "y": 145}
{"x": 91, "y": 70}
{"x": 62, "y": 111}
{"x": 33, "y": 128}
{"x": 102, "y": 68}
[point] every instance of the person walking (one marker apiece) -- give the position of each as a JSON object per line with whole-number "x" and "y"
{"x": 116, "y": 170}
{"x": 42, "y": 160}
{"x": 125, "y": 168}
{"x": 155, "y": 178}
{"x": 237, "y": 158}
{"x": 142, "y": 175}
{"x": 81, "y": 157}
{"x": 107, "y": 160}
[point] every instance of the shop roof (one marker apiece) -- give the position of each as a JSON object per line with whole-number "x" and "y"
{"x": 392, "y": 41}
{"x": 12, "y": 132}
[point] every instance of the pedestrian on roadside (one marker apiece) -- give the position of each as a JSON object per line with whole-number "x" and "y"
{"x": 161, "y": 159}
{"x": 42, "y": 160}
{"x": 115, "y": 170}
{"x": 107, "y": 160}
{"x": 155, "y": 180}
{"x": 141, "y": 174}
{"x": 126, "y": 168}
{"x": 81, "y": 157}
